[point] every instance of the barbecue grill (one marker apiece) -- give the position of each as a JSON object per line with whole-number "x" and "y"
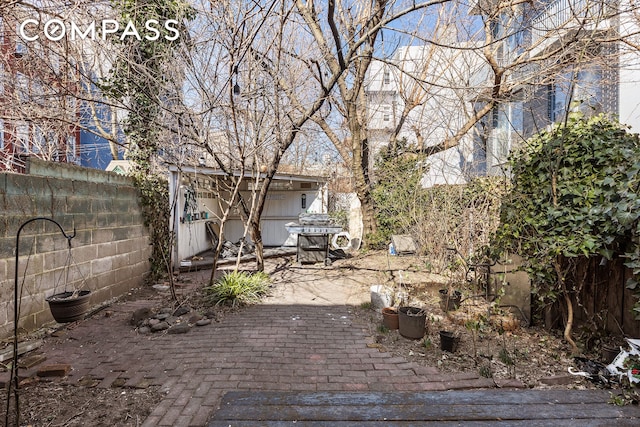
{"x": 313, "y": 232}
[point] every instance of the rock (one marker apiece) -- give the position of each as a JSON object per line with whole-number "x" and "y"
{"x": 153, "y": 322}
{"x": 88, "y": 381}
{"x": 161, "y": 288}
{"x": 160, "y": 327}
{"x": 179, "y": 328}
{"x": 162, "y": 316}
{"x": 168, "y": 310}
{"x": 118, "y": 382}
{"x": 181, "y": 310}
{"x": 139, "y": 315}
{"x": 142, "y": 385}
{"x": 203, "y": 322}
{"x": 195, "y": 318}
{"x": 144, "y": 330}
{"x": 210, "y": 314}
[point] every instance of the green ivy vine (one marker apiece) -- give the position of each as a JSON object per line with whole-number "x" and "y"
{"x": 396, "y": 195}
{"x": 575, "y": 194}
{"x": 154, "y": 197}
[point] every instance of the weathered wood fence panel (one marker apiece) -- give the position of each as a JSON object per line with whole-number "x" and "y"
{"x": 603, "y": 301}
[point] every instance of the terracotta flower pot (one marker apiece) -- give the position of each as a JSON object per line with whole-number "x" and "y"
{"x": 390, "y": 317}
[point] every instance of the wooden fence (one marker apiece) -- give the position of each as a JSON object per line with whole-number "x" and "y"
{"x": 602, "y": 303}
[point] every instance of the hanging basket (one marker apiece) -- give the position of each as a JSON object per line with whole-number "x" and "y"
{"x": 69, "y": 306}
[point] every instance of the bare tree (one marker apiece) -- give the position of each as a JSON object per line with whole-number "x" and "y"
{"x": 246, "y": 83}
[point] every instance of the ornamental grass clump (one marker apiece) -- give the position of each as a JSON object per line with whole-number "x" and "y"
{"x": 238, "y": 288}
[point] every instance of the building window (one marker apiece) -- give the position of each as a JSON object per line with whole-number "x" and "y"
{"x": 551, "y": 102}
{"x": 22, "y": 87}
{"x": 21, "y": 46}
{"x": 386, "y": 77}
{"x": 71, "y": 149}
{"x": 558, "y": 96}
{"x": 22, "y": 138}
{"x": 39, "y": 142}
{"x": 386, "y": 113}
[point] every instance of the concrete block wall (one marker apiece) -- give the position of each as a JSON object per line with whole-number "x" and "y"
{"x": 109, "y": 254}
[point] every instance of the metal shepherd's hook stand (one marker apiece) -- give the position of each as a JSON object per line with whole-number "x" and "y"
{"x": 14, "y": 365}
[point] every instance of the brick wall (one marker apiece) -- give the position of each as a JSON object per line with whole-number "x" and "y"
{"x": 109, "y": 254}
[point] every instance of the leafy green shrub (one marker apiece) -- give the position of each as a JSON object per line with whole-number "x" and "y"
{"x": 575, "y": 194}
{"x": 397, "y": 196}
{"x": 238, "y": 288}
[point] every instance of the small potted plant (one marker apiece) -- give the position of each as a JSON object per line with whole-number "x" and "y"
{"x": 449, "y": 299}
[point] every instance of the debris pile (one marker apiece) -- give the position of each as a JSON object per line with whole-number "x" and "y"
{"x": 231, "y": 250}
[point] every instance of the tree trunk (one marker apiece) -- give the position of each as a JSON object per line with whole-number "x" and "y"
{"x": 256, "y": 236}
{"x": 569, "y": 326}
{"x": 369, "y": 224}
{"x": 363, "y": 191}
{"x": 567, "y": 299}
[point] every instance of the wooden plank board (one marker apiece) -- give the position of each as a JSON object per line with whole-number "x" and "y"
{"x": 451, "y": 412}
{"x": 253, "y": 398}
{"x": 607, "y": 277}
{"x": 615, "y": 298}
{"x": 423, "y": 423}
{"x": 482, "y": 407}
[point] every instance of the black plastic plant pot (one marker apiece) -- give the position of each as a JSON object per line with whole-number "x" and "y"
{"x": 412, "y": 322}
{"x": 69, "y": 306}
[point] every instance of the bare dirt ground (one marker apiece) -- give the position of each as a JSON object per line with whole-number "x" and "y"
{"x": 490, "y": 343}
{"x": 531, "y": 355}
{"x": 51, "y": 404}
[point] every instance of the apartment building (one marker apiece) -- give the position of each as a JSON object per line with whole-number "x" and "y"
{"x": 420, "y": 96}
{"x": 50, "y": 106}
{"x": 539, "y": 61}
{"x": 38, "y": 106}
{"x": 560, "y": 56}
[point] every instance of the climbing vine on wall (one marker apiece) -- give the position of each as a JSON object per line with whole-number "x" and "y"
{"x": 575, "y": 194}
{"x": 154, "y": 196}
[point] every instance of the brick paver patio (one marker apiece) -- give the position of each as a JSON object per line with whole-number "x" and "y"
{"x": 263, "y": 347}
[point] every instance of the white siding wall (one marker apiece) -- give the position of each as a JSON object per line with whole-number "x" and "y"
{"x": 280, "y": 208}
